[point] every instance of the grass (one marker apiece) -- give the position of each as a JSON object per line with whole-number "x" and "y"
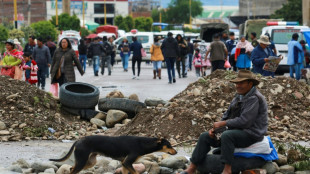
{"x": 36, "y": 131}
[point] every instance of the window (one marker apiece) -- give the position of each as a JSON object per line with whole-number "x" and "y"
{"x": 99, "y": 8}
{"x": 283, "y": 36}
{"x": 140, "y": 39}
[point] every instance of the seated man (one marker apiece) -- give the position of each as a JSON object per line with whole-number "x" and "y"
{"x": 246, "y": 119}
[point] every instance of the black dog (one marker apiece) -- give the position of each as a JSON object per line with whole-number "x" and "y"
{"x": 127, "y": 149}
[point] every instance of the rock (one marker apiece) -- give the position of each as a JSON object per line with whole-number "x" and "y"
{"x": 140, "y": 168}
{"x": 278, "y": 89}
{"x": 2, "y": 125}
{"x": 22, "y": 125}
{"x": 97, "y": 122}
{"x": 303, "y": 172}
{"x": 41, "y": 167}
{"x": 287, "y": 169}
{"x": 101, "y": 116}
{"x": 182, "y": 158}
{"x": 196, "y": 92}
{"x": 22, "y": 163}
{"x": 165, "y": 170}
{"x": 152, "y": 167}
{"x": 115, "y": 94}
{"x": 298, "y": 95}
{"x": 134, "y": 97}
{"x": 154, "y": 101}
{"x": 126, "y": 121}
{"x": 4, "y": 132}
{"x": 15, "y": 168}
{"x": 103, "y": 163}
{"x": 64, "y": 169}
{"x": 271, "y": 167}
{"x": 50, "y": 170}
{"x": 115, "y": 116}
{"x": 113, "y": 165}
{"x": 28, "y": 171}
{"x": 282, "y": 160}
{"x": 172, "y": 162}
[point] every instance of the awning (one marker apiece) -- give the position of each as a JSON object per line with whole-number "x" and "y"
{"x": 163, "y": 25}
{"x": 90, "y": 25}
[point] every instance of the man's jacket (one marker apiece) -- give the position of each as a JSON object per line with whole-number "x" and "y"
{"x": 295, "y": 53}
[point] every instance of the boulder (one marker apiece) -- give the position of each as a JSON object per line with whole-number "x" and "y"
{"x": 154, "y": 101}
{"x": 140, "y": 168}
{"x": 64, "y": 169}
{"x": 303, "y": 172}
{"x": 115, "y": 94}
{"x": 4, "y": 132}
{"x": 271, "y": 167}
{"x": 165, "y": 170}
{"x": 126, "y": 121}
{"x": 282, "y": 160}
{"x": 115, "y": 116}
{"x": 15, "y": 168}
{"x": 113, "y": 165}
{"x": 101, "y": 116}
{"x": 41, "y": 167}
{"x": 172, "y": 162}
{"x": 50, "y": 170}
{"x": 151, "y": 167}
{"x": 287, "y": 169}
{"x": 134, "y": 97}
{"x": 22, "y": 163}
{"x": 2, "y": 125}
{"x": 97, "y": 122}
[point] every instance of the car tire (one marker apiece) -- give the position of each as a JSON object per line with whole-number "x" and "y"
{"x": 79, "y": 95}
{"x": 213, "y": 164}
{"x": 131, "y": 107}
{"x": 71, "y": 111}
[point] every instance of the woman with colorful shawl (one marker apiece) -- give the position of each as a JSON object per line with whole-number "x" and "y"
{"x": 243, "y": 50}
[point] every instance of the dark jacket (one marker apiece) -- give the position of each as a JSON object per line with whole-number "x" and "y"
{"x": 257, "y": 57}
{"x": 29, "y": 48}
{"x": 182, "y": 50}
{"x": 135, "y": 47}
{"x": 170, "y": 48}
{"x": 69, "y": 58}
{"x": 96, "y": 49}
{"x": 107, "y": 49}
{"x": 42, "y": 56}
{"x": 253, "y": 117}
{"x": 82, "y": 49}
{"x": 51, "y": 46}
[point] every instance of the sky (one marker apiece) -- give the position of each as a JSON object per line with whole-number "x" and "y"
{"x": 165, "y": 3}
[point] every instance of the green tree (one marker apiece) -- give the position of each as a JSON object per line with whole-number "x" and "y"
{"x": 148, "y": 24}
{"x": 67, "y": 22}
{"x": 178, "y": 11}
{"x": 15, "y": 33}
{"x": 118, "y": 20}
{"x": 291, "y": 11}
{"x": 123, "y": 26}
{"x": 84, "y": 32}
{"x": 28, "y": 31}
{"x": 129, "y": 22}
{"x": 155, "y": 15}
{"x": 139, "y": 23}
{"x": 4, "y": 33}
{"x": 44, "y": 29}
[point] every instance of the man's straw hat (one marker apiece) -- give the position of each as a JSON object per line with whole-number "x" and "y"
{"x": 245, "y": 75}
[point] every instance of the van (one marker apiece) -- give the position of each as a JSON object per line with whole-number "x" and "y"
{"x": 281, "y": 35}
{"x": 74, "y": 38}
{"x": 208, "y": 30}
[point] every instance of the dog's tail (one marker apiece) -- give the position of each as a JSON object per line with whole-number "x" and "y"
{"x": 67, "y": 155}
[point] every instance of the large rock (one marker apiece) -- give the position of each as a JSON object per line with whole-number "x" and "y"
{"x": 4, "y": 132}
{"x": 22, "y": 163}
{"x": 41, "y": 167}
{"x": 271, "y": 167}
{"x": 15, "y": 168}
{"x": 154, "y": 101}
{"x": 101, "y": 116}
{"x": 113, "y": 165}
{"x": 2, "y": 125}
{"x": 115, "y": 94}
{"x": 140, "y": 168}
{"x": 172, "y": 162}
{"x": 303, "y": 172}
{"x": 151, "y": 167}
{"x": 97, "y": 122}
{"x": 50, "y": 170}
{"x": 64, "y": 169}
{"x": 287, "y": 169}
{"x": 165, "y": 170}
{"x": 282, "y": 160}
{"x": 134, "y": 97}
{"x": 115, "y": 116}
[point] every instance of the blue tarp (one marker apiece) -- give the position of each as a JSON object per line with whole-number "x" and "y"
{"x": 163, "y": 25}
{"x": 307, "y": 36}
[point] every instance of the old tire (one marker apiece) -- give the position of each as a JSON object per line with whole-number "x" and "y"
{"x": 213, "y": 164}
{"x": 131, "y": 107}
{"x": 79, "y": 95}
{"x": 71, "y": 111}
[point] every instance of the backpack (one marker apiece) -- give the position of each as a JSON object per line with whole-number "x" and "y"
{"x": 125, "y": 47}
{"x": 107, "y": 48}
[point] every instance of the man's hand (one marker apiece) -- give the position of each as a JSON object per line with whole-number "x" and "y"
{"x": 219, "y": 124}
{"x": 211, "y": 134}
{"x": 266, "y": 59}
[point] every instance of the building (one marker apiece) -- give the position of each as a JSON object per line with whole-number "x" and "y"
{"x": 94, "y": 9}
{"x": 139, "y": 8}
{"x": 34, "y": 12}
{"x": 306, "y": 12}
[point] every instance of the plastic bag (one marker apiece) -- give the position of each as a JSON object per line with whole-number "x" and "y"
{"x": 261, "y": 147}
{"x": 227, "y": 64}
{"x": 54, "y": 89}
{"x": 143, "y": 53}
{"x": 18, "y": 73}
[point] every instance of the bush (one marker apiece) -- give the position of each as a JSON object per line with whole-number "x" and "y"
{"x": 16, "y": 34}
{"x": 84, "y": 32}
{"x": 44, "y": 29}
{"x": 28, "y": 31}
{"x": 67, "y": 22}
{"x": 4, "y": 33}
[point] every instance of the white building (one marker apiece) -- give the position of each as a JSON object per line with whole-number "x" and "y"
{"x": 94, "y": 9}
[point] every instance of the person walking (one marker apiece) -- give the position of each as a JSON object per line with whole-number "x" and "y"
{"x": 82, "y": 54}
{"x": 218, "y": 52}
{"x": 197, "y": 62}
{"x": 254, "y": 39}
{"x": 113, "y": 54}
{"x": 243, "y": 49}
{"x": 41, "y": 54}
{"x": 230, "y": 44}
{"x": 125, "y": 53}
{"x": 29, "y": 47}
{"x": 106, "y": 56}
{"x": 182, "y": 44}
{"x": 170, "y": 49}
{"x": 136, "y": 47}
{"x": 156, "y": 58}
{"x": 52, "y": 47}
{"x": 62, "y": 69}
{"x": 189, "y": 54}
{"x": 259, "y": 56}
{"x": 295, "y": 57}
{"x": 95, "y": 51}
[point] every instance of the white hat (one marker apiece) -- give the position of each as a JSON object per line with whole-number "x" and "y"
{"x": 16, "y": 41}
{"x": 264, "y": 40}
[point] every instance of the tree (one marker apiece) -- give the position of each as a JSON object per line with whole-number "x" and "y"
{"x": 118, "y": 20}
{"x": 143, "y": 24}
{"x": 129, "y": 22}
{"x": 28, "y": 31}
{"x": 178, "y": 11}
{"x": 15, "y": 33}
{"x": 67, "y": 22}
{"x": 84, "y": 32}
{"x": 4, "y": 33}
{"x": 44, "y": 29}
{"x": 291, "y": 11}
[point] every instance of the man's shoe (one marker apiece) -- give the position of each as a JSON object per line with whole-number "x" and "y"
{"x": 109, "y": 73}
{"x": 137, "y": 78}
{"x": 133, "y": 77}
{"x": 169, "y": 82}
{"x": 173, "y": 80}
{"x": 43, "y": 88}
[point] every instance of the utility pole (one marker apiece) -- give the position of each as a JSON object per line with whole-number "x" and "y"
{"x": 56, "y": 6}
{"x": 29, "y": 12}
{"x": 105, "y": 13}
{"x": 83, "y": 14}
{"x": 160, "y": 16}
{"x": 15, "y": 14}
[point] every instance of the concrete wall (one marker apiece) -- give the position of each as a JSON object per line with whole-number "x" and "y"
{"x": 259, "y": 7}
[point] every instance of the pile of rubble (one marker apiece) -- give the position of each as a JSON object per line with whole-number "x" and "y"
{"x": 203, "y": 102}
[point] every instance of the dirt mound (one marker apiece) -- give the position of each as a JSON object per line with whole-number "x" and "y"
{"x": 194, "y": 110}
{"x": 28, "y": 112}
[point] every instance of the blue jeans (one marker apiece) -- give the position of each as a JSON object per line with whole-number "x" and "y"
{"x": 96, "y": 64}
{"x": 83, "y": 59}
{"x": 190, "y": 60}
{"x": 125, "y": 59}
{"x": 156, "y": 65}
{"x": 42, "y": 69}
{"x": 296, "y": 68}
{"x": 106, "y": 60}
{"x": 170, "y": 67}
